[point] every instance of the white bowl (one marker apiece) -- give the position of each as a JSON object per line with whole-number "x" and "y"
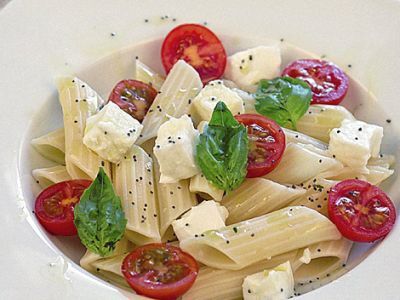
{"x": 42, "y": 40}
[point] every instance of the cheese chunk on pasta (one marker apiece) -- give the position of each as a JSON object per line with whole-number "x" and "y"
{"x": 175, "y": 148}
{"x": 275, "y": 284}
{"x": 247, "y": 68}
{"x": 111, "y": 132}
{"x": 211, "y": 94}
{"x": 208, "y": 215}
{"x": 355, "y": 142}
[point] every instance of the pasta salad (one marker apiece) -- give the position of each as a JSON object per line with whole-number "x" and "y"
{"x": 231, "y": 177}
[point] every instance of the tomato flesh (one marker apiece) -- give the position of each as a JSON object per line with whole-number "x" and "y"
{"x": 54, "y": 206}
{"x": 362, "y": 212}
{"x": 266, "y": 141}
{"x": 329, "y": 84}
{"x": 160, "y": 271}
{"x": 199, "y": 47}
{"x": 134, "y": 97}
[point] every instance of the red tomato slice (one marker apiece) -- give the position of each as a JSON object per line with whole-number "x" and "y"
{"x": 266, "y": 141}
{"x": 362, "y": 212}
{"x": 134, "y": 97}
{"x": 328, "y": 83}
{"x": 54, "y": 207}
{"x": 160, "y": 271}
{"x": 199, "y": 47}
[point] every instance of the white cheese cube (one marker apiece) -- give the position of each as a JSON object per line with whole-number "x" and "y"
{"x": 211, "y": 94}
{"x": 247, "y": 68}
{"x": 354, "y": 142}
{"x": 275, "y": 284}
{"x": 208, "y": 215}
{"x": 175, "y": 149}
{"x": 111, "y": 132}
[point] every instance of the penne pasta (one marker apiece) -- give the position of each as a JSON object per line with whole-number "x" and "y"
{"x": 319, "y": 120}
{"x": 301, "y": 138}
{"x": 174, "y": 199}
{"x": 145, "y": 74}
{"x": 316, "y": 195}
{"x": 181, "y": 85}
{"x": 48, "y": 176}
{"x": 78, "y": 102}
{"x": 321, "y": 259}
{"x": 51, "y": 145}
{"x": 227, "y": 284}
{"x": 242, "y": 244}
{"x": 86, "y": 262}
{"x": 200, "y": 185}
{"x": 256, "y": 197}
{"x": 373, "y": 174}
{"x": 304, "y": 162}
{"x": 133, "y": 182}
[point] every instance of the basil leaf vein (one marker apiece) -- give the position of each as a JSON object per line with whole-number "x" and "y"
{"x": 222, "y": 150}
{"x": 99, "y": 217}
{"x": 283, "y": 99}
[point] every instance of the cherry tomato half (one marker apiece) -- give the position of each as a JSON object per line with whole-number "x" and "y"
{"x": 329, "y": 84}
{"x": 199, "y": 47}
{"x": 362, "y": 212}
{"x": 54, "y": 207}
{"x": 134, "y": 97}
{"x": 160, "y": 271}
{"x": 266, "y": 141}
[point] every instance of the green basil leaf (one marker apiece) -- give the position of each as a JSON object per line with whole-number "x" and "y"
{"x": 222, "y": 150}
{"x": 99, "y": 217}
{"x": 283, "y": 99}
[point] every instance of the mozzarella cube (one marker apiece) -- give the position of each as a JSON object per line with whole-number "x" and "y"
{"x": 111, "y": 132}
{"x": 211, "y": 94}
{"x": 247, "y": 68}
{"x": 275, "y": 284}
{"x": 354, "y": 142}
{"x": 175, "y": 149}
{"x": 208, "y": 215}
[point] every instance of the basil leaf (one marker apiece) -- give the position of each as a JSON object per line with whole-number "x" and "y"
{"x": 283, "y": 99}
{"x": 222, "y": 150}
{"x": 99, "y": 217}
